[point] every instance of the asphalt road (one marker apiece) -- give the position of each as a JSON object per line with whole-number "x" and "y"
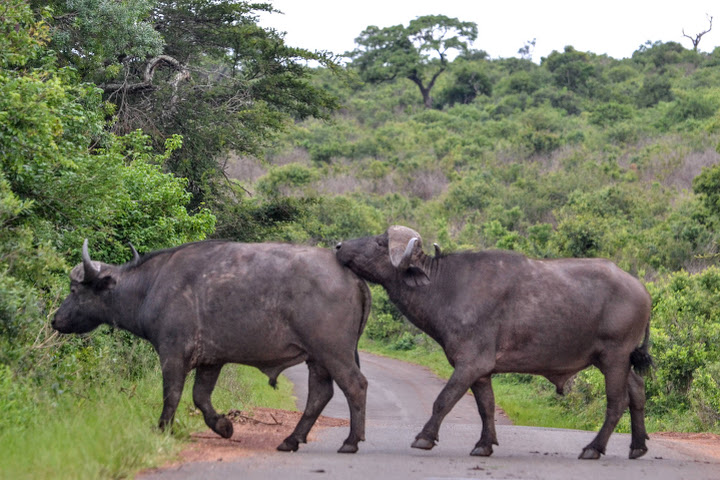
{"x": 400, "y": 399}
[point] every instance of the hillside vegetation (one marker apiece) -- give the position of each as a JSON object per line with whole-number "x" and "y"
{"x": 159, "y": 123}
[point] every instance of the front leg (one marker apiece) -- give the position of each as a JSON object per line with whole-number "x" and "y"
{"x": 174, "y": 373}
{"x": 460, "y": 381}
{"x": 205, "y": 379}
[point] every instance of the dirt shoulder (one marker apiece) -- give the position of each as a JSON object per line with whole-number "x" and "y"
{"x": 706, "y": 443}
{"x": 262, "y": 429}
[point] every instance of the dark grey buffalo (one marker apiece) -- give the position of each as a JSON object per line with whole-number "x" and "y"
{"x": 496, "y": 312}
{"x": 203, "y": 305}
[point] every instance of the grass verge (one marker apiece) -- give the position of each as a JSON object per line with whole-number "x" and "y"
{"x": 108, "y": 431}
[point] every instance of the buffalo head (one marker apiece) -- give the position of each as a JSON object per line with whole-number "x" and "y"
{"x": 91, "y": 284}
{"x": 396, "y": 254}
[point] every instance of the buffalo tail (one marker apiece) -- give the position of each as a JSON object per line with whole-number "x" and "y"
{"x": 640, "y": 358}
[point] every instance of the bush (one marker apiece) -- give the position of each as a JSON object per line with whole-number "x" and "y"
{"x": 705, "y": 395}
{"x": 685, "y": 338}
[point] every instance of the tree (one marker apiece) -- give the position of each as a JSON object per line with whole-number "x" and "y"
{"x": 696, "y": 41}
{"x": 204, "y": 70}
{"x": 526, "y": 51}
{"x": 64, "y": 177}
{"x": 418, "y": 52}
{"x": 571, "y": 69}
{"x": 471, "y": 80}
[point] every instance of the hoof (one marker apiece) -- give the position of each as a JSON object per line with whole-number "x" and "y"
{"x": 224, "y": 427}
{"x": 289, "y": 445}
{"x": 482, "y": 451}
{"x": 637, "y": 453}
{"x": 348, "y": 448}
{"x": 423, "y": 444}
{"x": 589, "y": 453}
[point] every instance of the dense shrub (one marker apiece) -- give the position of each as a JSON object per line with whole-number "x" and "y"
{"x": 685, "y": 333}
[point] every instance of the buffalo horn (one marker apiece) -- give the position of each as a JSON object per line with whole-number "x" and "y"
{"x": 437, "y": 249}
{"x": 90, "y": 271}
{"x": 407, "y": 255}
{"x": 136, "y": 255}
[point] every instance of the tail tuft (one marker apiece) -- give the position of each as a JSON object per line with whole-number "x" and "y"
{"x": 641, "y": 361}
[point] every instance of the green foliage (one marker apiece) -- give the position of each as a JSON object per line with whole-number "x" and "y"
{"x": 707, "y": 186}
{"x": 691, "y": 106}
{"x": 96, "y": 36}
{"x": 655, "y": 89}
{"x": 609, "y": 113}
{"x": 470, "y": 81}
{"x": 417, "y": 52}
{"x": 571, "y": 69}
{"x": 65, "y": 177}
{"x": 203, "y": 70}
{"x": 686, "y": 332}
{"x": 285, "y": 180}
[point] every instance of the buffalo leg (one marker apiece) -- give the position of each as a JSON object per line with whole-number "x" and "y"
{"x": 460, "y": 381}
{"x": 173, "y": 372}
{"x": 205, "y": 379}
{"x": 320, "y": 391}
{"x": 485, "y": 399}
{"x": 616, "y": 390}
{"x": 636, "y": 388}
{"x": 354, "y": 385}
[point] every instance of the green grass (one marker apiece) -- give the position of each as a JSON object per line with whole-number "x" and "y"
{"x": 109, "y": 431}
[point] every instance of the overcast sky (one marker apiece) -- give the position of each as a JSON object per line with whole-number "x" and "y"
{"x": 612, "y": 27}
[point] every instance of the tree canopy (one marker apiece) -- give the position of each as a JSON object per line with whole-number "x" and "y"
{"x": 203, "y": 70}
{"x": 418, "y": 51}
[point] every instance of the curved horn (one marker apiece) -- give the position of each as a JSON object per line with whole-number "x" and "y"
{"x": 437, "y": 249}
{"x": 90, "y": 272}
{"x": 407, "y": 255}
{"x": 136, "y": 255}
{"x": 398, "y": 238}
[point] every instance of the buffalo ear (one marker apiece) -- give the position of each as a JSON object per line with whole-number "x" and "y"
{"x": 416, "y": 277}
{"x": 399, "y": 239}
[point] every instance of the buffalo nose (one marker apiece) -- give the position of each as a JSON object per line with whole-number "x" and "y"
{"x": 337, "y": 247}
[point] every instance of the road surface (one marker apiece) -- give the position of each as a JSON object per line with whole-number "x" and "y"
{"x": 400, "y": 399}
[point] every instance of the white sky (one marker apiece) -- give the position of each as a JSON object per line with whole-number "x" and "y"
{"x": 612, "y": 27}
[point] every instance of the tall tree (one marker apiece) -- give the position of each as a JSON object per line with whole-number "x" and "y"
{"x": 202, "y": 69}
{"x": 418, "y": 52}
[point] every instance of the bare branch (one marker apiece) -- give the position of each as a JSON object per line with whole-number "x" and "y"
{"x": 695, "y": 41}
{"x": 182, "y": 74}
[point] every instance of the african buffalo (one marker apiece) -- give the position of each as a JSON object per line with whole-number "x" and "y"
{"x": 202, "y": 305}
{"x": 496, "y": 311}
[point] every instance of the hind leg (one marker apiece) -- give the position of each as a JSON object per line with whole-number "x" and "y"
{"x": 616, "y": 390}
{"x": 320, "y": 391}
{"x": 485, "y": 399}
{"x": 205, "y": 380}
{"x": 636, "y": 389}
{"x": 354, "y": 385}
